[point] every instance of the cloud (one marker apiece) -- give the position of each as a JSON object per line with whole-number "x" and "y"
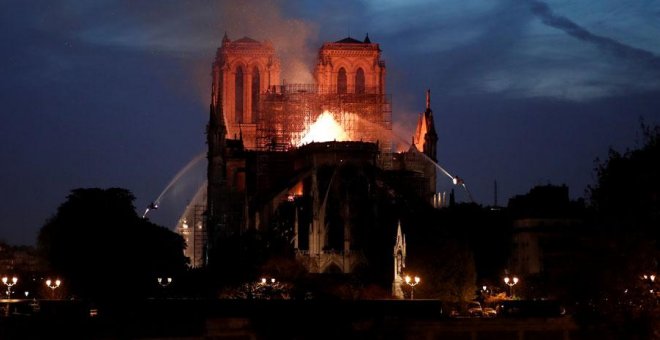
{"x": 543, "y": 11}
{"x": 518, "y": 49}
{"x": 195, "y": 29}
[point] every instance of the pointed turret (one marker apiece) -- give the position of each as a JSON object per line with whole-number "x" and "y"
{"x": 225, "y": 39}
{"x": 431, "y": 137}
{"x": 399, "y": 263}
{"x": 367, "y": 40}
{"x": 428, "y": 100}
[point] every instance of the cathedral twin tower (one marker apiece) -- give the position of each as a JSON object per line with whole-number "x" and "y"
{"x": 246, "y": 77}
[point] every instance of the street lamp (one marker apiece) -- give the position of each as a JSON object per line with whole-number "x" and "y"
{"x": 484, "y": 291}
{"x": 9, "y": 284}
{"x": 267, "y": 288}
{"x": 53, "y": 285}
{"x": 164, "y": 282}
{"x": 412, "y": 283}
{"x": 511, "y": 282}
{"x": 650, "y": 279}
{"x": 265, "y": 281}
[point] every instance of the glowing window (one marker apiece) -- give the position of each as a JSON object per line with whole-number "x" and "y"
{"x": 342, "y": 86}
{"x": 255, "y": 94}
{"x": 238, "y": 97}
{"x": 359, "y": 81}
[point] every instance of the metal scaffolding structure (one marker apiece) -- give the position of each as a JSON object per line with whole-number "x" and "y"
{"x": 285, "y": 111}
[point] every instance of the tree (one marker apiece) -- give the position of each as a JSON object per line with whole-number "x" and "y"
{"x": 626, "y": 202}
{"x": 104, "y": 250}
{"x": 447, "y": 270}
{"x": 627, "y": 192}
{"x": 626, "y": 199}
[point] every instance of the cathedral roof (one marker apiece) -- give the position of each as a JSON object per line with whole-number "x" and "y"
{"x": 247, "y": 40}
{"x": 349, "y": 40}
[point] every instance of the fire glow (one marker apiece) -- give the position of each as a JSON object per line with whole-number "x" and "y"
{"x": 324, "y": 129}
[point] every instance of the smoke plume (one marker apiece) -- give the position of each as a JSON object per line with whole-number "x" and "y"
{"x": 291, "y": 37}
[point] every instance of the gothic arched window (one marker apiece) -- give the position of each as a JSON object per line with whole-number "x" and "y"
{"x": 238, "y": 96}
{"x": 342, "y": 86}
{"x": 359, "y": 81}
{"x": 255, "y": 94}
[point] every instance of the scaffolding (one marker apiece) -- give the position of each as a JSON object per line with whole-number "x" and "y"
{"x": 286, "y": 111}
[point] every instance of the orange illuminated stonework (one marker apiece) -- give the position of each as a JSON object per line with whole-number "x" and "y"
{"x": 320, "y": 152}
{"x": 243, "y": 70}
{"x": 350, "y": 66}
{"x": 267, "y": 115}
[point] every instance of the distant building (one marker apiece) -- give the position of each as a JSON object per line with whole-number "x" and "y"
{"x": 548, "y": 233}
{"x": 19, "y": 259}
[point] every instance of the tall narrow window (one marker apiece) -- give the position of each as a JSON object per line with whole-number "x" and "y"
{"x": 359, "y": 81}
{"x": 255, "y": 94}
{"x": 238, "y": 96}
{"x": 341, "y": 81}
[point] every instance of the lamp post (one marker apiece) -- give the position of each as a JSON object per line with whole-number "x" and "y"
{"x": 264, "y": 281}
{"x": 164, "y": 282}
{"x": 412, "y": 283}
{"x": 267, "y": 288}
{"x": 53, "y": 285}
{"x": 484, "y": 292}
{"x": 511, "y": 282}
{"x": 650, "y": 280}
{"x": 9, "y": 283}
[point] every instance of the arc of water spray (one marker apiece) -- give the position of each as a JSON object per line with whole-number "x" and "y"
{"x": 154, "y": 205}
{"x": 455, "y": 179}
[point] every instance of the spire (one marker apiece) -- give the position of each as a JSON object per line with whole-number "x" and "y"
{"x": 367, "y": 40}
{"x": 399, "y": 263}
{"x": 429, "y": 136}
{"x": 225, "y": 39}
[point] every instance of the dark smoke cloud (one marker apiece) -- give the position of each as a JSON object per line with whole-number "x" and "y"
{"x": 267, "y": 20}
{"x": 618, "y": 49}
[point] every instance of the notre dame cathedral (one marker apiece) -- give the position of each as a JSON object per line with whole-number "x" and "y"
{"x": 313, "y": 162}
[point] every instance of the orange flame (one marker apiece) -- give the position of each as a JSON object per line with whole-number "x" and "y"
{"x": 324, "y": 129}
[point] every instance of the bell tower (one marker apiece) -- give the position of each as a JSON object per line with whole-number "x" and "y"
{"x": 350, "y": 66}
{"x": 243, "y": 69}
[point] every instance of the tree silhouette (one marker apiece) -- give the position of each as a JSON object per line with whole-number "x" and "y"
{"x": 104, "y": 250}
{"x": 624, "y": 242}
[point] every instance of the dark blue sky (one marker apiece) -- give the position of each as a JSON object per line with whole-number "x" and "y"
{"x": 115, "y": 93}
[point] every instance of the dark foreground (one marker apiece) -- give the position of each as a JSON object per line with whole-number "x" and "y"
{"x": 272, "y": 319}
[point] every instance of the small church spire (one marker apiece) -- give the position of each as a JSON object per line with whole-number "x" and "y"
{"x": 428, "y": 99}
{"x": 367, "y": 40}
{"x": 399, "y": 263}
{"x": 225, "y": 38}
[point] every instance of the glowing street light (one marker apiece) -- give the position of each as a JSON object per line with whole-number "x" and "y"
{"x": 650, "y": 279}
{"x": 412, "y": 283}
{"x": 53, "y": 285}
{"x": 164, "y": 282}
{"x": 9, "y": 283}
{"x": 484, "y": 291}
{"x": 511, "y": 282}
{"x": 265, "y": 281}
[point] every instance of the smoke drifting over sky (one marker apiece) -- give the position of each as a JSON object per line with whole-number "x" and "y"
{"x": 115, "y": 93}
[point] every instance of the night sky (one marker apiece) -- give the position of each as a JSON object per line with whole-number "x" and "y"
{"x": 116, "y": 93}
